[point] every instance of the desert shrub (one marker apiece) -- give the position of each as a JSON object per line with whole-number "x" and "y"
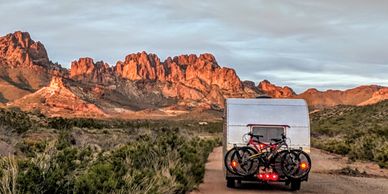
{"x": 31, "y": 148}
{"x": 55, "y": 175}
{"x": 380, "y": 154}
{"x": 17, "y": 120}
{"x": 161, "y": 162}
{"x": 337, "y": 146}
{"x": 65, "y": 140}
{"x": 358, "y": 132}
{"x": 60, "y": 123}
{"x": 212, "y": 127}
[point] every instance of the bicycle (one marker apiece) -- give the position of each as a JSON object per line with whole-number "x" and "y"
{"x": 246, "y": 161}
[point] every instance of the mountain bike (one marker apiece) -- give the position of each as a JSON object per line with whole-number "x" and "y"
{"x": 247, "y": 160}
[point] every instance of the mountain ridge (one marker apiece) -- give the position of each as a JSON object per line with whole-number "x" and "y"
{"x": 142, "y": 81}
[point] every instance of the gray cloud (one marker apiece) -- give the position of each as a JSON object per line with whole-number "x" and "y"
{"x": 301, "y": 43}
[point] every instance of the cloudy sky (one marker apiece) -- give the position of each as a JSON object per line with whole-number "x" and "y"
{"x": 301, "y": 43}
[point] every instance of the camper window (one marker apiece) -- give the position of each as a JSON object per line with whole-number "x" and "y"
{"x": 268, "y": 132}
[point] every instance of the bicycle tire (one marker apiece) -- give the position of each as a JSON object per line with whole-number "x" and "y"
{"x": 291, "y": 164}
{"x": 227, "y": 161}
{"x": 246, "y": 166}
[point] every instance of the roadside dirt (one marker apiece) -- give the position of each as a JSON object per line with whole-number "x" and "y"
{"x": 321, "y": 179}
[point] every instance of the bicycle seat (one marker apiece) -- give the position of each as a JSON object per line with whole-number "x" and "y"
{"x": 276, "y": 139}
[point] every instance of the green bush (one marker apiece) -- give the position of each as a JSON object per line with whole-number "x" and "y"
{"x": 162, "y": 162}
{"x": 17, "y": 120}
{"x": 358, "y": 132}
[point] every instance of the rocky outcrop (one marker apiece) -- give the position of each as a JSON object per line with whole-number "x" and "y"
{"x": 180, "y": 69}
{"x": 25, "y": 66}
{"x": 87, "y": 71}
{"x": 380, "y": 95}
{"x": 186, "y": 77}
{"x": 18, "y": 49}
{"x": 275, "y": 91}
{"x": 141, "y": 66}
{"x": 57, "y": 99}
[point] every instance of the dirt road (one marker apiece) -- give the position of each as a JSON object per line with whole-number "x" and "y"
{"x": 320, "y": 181}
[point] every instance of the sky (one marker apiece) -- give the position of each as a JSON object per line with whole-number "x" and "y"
{"x": 327, "y": 44}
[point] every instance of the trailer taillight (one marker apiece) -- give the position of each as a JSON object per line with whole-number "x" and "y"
{"x": 274, "y": 177}
{"x": 234, "y": 164}
{"x": 268, "y": 176}
{"x": 303, "y": 165}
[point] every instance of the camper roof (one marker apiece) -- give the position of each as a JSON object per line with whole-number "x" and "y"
{"x": 267, "y": 125}
{"x": 267, "y": 101}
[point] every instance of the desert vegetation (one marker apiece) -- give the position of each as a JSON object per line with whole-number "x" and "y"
{"x": 361, "y": 133}
{"x": 57, "y": 155}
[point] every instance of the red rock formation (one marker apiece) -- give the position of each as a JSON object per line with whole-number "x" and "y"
{"x": 19, "y": 49}
{"x": 141, "y": 66}
{"x": 180, "y": 69}
{"x": 86, "y": 70}
{"x": 24, "y": 64}
{"x": 190, "y": 76}
{"x": 275, "y": 91}
{"x": 58, "y": 100}
{"x": 380, "y": 95}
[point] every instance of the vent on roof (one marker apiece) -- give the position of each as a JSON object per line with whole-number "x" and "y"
{"x": 263, "y": 96}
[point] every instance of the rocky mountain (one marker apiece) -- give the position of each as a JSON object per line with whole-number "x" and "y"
{"x": 24, "y": 66}
{"x": 356, "y": 96}
{"x": 141, "y": 83}
{"x": 276, "y": 91}
{"x": 192, "y": 80}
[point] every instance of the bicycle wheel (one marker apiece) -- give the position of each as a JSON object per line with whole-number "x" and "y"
{"x": 296, "y": 164}
{"x": 276, "y": 162}
{"x": 243, "y": 163}
{"x": 228, "y": 161}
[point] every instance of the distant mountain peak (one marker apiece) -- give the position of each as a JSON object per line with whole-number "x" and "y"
{"x": 275, "y": 91}
{"x": 19, "y": 49}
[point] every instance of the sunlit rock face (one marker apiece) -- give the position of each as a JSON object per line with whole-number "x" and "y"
{"x": 275, "y": 91}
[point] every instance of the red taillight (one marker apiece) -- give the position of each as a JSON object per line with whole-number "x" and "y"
{"x": 234, "y": 164}
{"x": 268, "y": 176}
{"x": 262, "y": 146}
{"x": 274, "y": 177}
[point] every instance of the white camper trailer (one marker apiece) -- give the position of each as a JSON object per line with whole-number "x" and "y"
{"x": 268, "y": 117}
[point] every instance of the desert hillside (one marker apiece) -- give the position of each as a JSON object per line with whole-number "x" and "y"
{"x": 358, "y": 132}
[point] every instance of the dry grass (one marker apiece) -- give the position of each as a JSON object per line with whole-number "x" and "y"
{"x": 9, "y": 175}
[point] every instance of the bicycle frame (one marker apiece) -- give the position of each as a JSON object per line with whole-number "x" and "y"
{"x": 258, "y": 146}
